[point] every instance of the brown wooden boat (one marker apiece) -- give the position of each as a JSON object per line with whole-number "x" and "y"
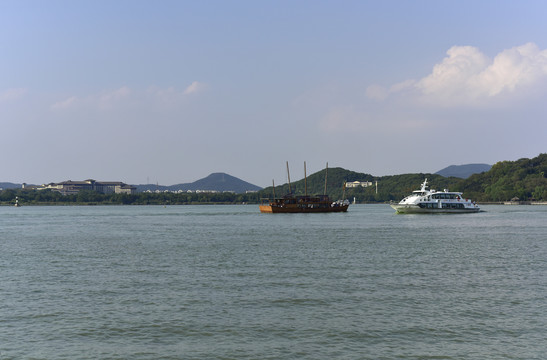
{"x": 304, "y": 204}
{"x": 291, "y": 203}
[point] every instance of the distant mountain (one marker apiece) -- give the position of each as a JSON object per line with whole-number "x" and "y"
{"x": 463, "y": 171}
{"x": 213, "y": 182}
{"x": 8, "y": 185}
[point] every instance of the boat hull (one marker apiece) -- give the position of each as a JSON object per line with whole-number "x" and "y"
{"x": 288, "y": 209}
{"x": 415, "y": 209}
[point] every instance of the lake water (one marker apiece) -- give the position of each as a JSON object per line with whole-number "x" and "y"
{"x": 227, "y": 282}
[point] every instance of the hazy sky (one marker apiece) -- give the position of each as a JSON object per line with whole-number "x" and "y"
{"x": 171, "y": 91}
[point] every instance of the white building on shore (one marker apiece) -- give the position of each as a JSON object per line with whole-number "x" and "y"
{"x": 70, "y": 187}
{"x": 356, "y": 184}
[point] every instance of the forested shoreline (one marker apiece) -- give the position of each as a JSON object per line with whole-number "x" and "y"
{"x": 521, "y": 180}
{"x": 86, "y": 197}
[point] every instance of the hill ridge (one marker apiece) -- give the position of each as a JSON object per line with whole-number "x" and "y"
{"x": 217, "y": 181}
{"x": 463, "y": 171}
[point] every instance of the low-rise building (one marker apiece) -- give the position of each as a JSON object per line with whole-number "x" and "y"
{"x": 355, "y": 184}
{"x": 70, "y": 187}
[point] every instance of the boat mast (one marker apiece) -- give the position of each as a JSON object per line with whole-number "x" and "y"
{"x": 326, "y": 173}
{"x": 273, "y": 186}
{"x": 289, "y": 178}
{"x": 305, "y": 181}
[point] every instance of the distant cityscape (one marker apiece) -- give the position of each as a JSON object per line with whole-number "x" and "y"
{"x": 214, "y": 183}
{"x": 521, "y": 181}
{"x": 70, "y": 187}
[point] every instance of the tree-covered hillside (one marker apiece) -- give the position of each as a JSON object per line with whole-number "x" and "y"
{"x": 214, "y": 182}
{"x": 390, "y": 188}
{"x": 524, "y": 179}
{"x": 315, "y": 183}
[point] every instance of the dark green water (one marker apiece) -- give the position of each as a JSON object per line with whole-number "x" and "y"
{"x": 226, "y": 282}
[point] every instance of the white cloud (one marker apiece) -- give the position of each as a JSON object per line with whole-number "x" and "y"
{"x": 370, "y": 123}
{"x": 110, "y": 99}
{"x": 402, "y": 86}
{"x": 102, "y": 101}
{"x": 454, "y": 73}
{"x": 12, "y": 94}
{"x": 194, "y": 87}
{"x": 341, "y": 119}
{"x": 168, "y": 95}
{"x": 468, "y": 77}
{"x": 520, "y": 66}
{"x": 377, "y": 92}
{"x": 64, "y": 104}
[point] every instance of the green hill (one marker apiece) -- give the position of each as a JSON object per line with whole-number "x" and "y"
{"x": 214, "y": 182}
{"x": 524, "y": 178}
{"x": 390, "y": 188}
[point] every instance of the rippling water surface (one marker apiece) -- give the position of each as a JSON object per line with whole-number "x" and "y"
{"x": 226, "y": 282}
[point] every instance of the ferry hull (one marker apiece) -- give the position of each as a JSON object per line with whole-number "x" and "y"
{"x": 415, "y": 209}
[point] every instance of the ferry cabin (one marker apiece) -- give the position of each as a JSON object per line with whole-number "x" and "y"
{"x": 445, "y": 200}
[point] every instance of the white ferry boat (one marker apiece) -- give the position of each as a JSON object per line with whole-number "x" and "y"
{"x": 431, "y": 201}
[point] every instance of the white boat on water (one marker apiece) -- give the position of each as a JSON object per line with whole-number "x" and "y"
{"x": 431, "y": 201}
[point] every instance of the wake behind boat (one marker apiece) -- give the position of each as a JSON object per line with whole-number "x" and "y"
{"x": 291, "y": 203}
{"x": 431, "y": 201}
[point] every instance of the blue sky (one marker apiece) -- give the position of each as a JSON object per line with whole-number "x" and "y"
{"x": 171, "y": 91}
